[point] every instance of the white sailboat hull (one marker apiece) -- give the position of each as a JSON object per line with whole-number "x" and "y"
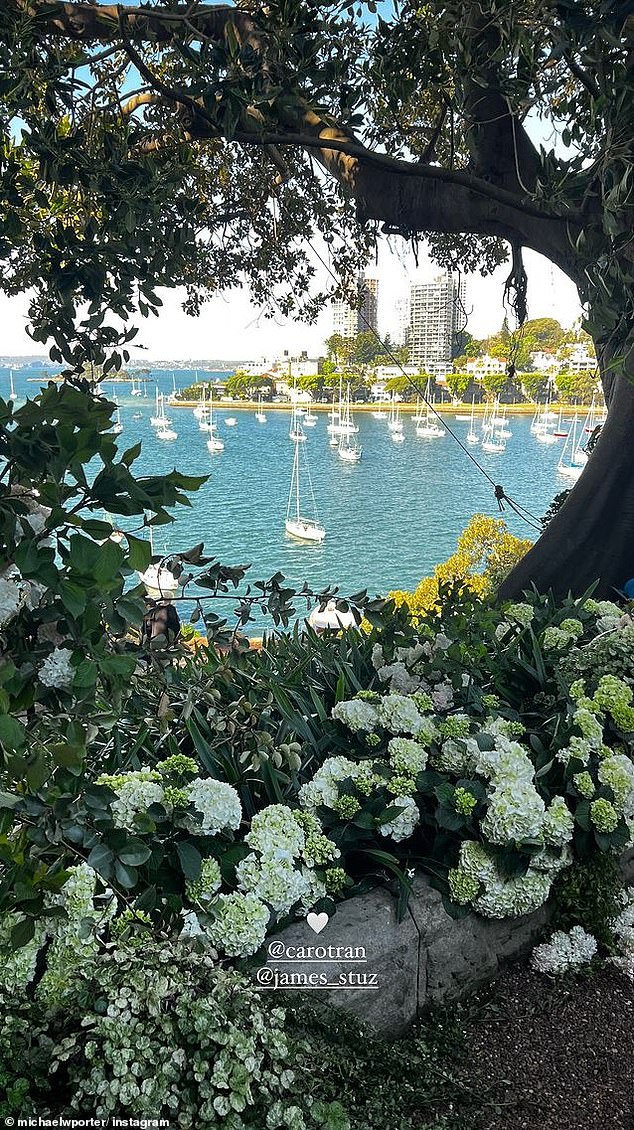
{"x": 398, "y": 437}
{"x": 350, "y": 454}
{"x": 491, "y": 445}
{"x": 260, "y": 417}
{"x": 545, "y": 437}
{"x": 305, "y": 529}
{"x": 215, "y": 444}
{"x": 571, "y": 472}
{"x": 166, "y": 433}
{"x": 430, "y": 431}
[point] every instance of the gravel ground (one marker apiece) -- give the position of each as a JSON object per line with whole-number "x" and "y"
{"x": 552, "y": 1054}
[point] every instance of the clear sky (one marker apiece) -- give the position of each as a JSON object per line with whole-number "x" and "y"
{"x": 232, "y": 328}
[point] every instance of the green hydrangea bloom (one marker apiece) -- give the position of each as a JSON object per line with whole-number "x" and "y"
{"x": 490, "y": 700}
{"x": 336, "y": 880}
{"x": 175, "y": 797}
{"x": 623, "y": 718}
{"x": 589, "y": 725}
{"x": 373, "y": 740}
{"x": 463, "y": 888}
{"x": 177, "y": 766}
{"x": 423, "y": 702}
{"x": 464, "y": 801}
{"x": 612, "y": 692}
{"x": 347, "y": 807}
{"x": 577, "y": 689}
{"x": 603, "y": 816}
{"x": 402, "y": 786}
{"x": 455, "y": 727}
{"x": 572, "y": 627}
{"x": 208, "y": 882}
{"x": 584, "y": 785}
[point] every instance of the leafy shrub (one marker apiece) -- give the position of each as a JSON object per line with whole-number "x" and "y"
{"x": 486, "y": 553}
{"x": 588, "y": 895}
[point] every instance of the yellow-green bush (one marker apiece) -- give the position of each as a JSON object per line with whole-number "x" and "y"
{"x": 486, "y": 552}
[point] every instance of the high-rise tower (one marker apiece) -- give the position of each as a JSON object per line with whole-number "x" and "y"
{"x": 436, "y": 316}
{"x": 348, "y": 321}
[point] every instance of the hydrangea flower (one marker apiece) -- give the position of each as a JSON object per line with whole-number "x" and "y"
{"x": 464, "y": 801}
{"x": 617, "y": 772}
{"x": 56, "y": 670}
{"x": 207, "y": 884}
{"x": 511, "y": 898}
{"x": 406, "y": 756}
{"x": 584, "y": 784}
{"x": 356, "y": 714}
{"x": 463, "y": 888}
{"x": 520, "y": 613}
{"x": 554, "y": 639}
{"x": 456, "y": 726}
{"x": 442, "y": 696}
{"x": 218, "y": 804}
{"x": 318, "y": 849}
{"x": 240, "y": 924}
{"x": 572, "y": 627}
{"x": 323, "y": 788}
{"x": 564, "y": 951}
{"x": 603, "y": 815}
{"x": 508, "y": 763}
{"x": 612, "y": 692}
{"x": 559, "y": 823}
{"x": 136, "y": 792}
{"x": 579, "y": 748}
{"x": 457, "y": 756}
{"x": 590, "y": 726}
{"x": 399, "y": 714}
{"x": 276, "y": 833}
{"x": 476, "y": 862}
{"x": 336, "y": 880}
{"x": 10, "y": 600}
{"x": 514, "y": 812}
{"x": 346, "y": 807}
{"x": 273, "y": 881}
{"x": 402, "y": 826}
{"x": 400, "y": 679}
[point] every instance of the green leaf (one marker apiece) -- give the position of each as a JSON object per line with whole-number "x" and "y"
{"x": 126, "y": 876}
{"x": 22, "y": 933}
{"x": 139, "y": 553}
{"x": 100, "y": 858}
{"x": 12, "y": 733}
{"x": 134, "y": 853}
{"x": 190, "y": 860}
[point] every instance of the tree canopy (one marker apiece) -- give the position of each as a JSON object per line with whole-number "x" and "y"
{"x": 209, "y": 145}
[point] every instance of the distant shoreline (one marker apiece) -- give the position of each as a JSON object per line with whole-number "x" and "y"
{"x": 526, "y": 409}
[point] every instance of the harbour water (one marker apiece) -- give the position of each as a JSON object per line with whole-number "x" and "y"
{"x": 389, "y": 519}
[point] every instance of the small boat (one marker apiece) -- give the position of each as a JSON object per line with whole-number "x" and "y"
{"x": 340, "y": 422}
{"x": 398, "y": 437}
{"x": 571, "y": 469}
{"x": 349, "y": 450}
{"x": 296, "y": 431}
{"x": 559, "y": 429}
{"x": 214, "y": 443}
{"x": 463, "y": 418}
{"x": 380, "y": 415}
{"x": 136, "y": 390}
{"x": 159, "y": 419}
{"x": 165, "y": 432}
{"x": 117, "y": 427}
{"x": 490, "y": 442}
{"x": 545, "y": 437}
{"x": 296, "y": 524}
{"x": 231, "y": 421}
{"x": 310, "y": 420}
{"x": 260, "y": 415}
{"x": 137, "y": 415}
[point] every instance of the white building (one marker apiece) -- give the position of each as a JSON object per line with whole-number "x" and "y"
{"x": 401, "y": 311}
{"x": 486, "y": 366}
{"x": 544, "y": 361}
{"x": 347, "y": 320}
{"x": 436, "y": 316}
{"x": 577, "y": 359}
{"x": 284, "y": 368}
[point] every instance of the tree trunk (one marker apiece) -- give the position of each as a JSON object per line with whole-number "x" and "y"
{"x": 592, "y": 537}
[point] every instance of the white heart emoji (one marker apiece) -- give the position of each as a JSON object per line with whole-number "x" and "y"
{"x": 317, "y": 921}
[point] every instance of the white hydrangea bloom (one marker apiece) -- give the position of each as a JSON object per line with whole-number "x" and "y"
{"x": 356, "y": 714}
{"x": 322, "y": 789}
{"x": 552, "y": 861}
{"x": 442, "y": 696}
{"x": 476, "y": 861}
{"x": 515, "y": 811}
{"x": 502, "y": 629}
{"x": 508, "y": 763}
{"x": 402, "y": 826}
{"x": 136, "y": 791}
{"x": 276, "y": 834}
{"x": 406, "y": 756}
{"x": 400, "y": 679}
{"x": 313, "y": 892}
{"x": 400, "y": 715}
{"x": 564, "y": 951}
{"x": 458, "y": 756}
{"x": 10, "y": 599}
{"x": 240, "y": 924}
{"x": 510, "y": 898}
{"x": 191, "y": 927}
{"x": 56, "y": 670}
{"x": 218, "y": 804}
{"x": 520, "y": 613}
{"x": 273, "y": 881}
{"x": 559, "y": 823}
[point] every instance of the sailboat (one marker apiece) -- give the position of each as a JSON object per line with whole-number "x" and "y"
{"x": 491, "y": 442}
{"x": 310, "y": 419}
{"x": 571, "y": 468}
{"x": 305, "y": 529}
{"x": 159, "y": 411}
{"x": 164, "y": 431}
{"x": 394, "y": 423}
{"x": 117, "y": 427}
{"x": 418, "y": 418}
{"x": 199, "y": 410}
{"x": 214, "y": 442}
{"x": 12, "y": 393}
{"x": 260, "y": 415}
{"x": 427, "y": 427}
{"x": 296, "y": 431}
{"x": 340, "y": 422}
{"x": 349, "y": 450}
{"x": 136, "y": 391}
{"x": 472, "y": 435}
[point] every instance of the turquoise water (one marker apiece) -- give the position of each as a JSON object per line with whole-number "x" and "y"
{"x": 389, "y": 519}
